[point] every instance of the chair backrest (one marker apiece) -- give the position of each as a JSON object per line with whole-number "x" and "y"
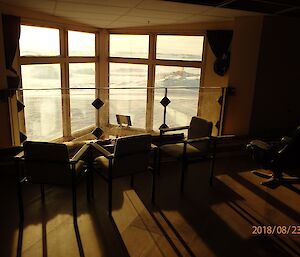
{"x": 131, "y": 154}
{"x": 47, "y": 163}
{"x": 199, "y": 128}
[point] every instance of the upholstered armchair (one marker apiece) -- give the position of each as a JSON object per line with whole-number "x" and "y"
{"x": 198, "y": 146}
{"x": 130, "y": 155}
{"x": 49, "y": 163}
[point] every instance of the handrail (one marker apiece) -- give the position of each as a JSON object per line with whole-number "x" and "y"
{"x": 59, "y": 88}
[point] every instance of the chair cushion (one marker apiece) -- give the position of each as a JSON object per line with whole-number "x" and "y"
{"x": 176, "y": 150}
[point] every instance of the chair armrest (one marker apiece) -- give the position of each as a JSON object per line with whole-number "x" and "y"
{"x": 19, "y": 156}
{"x": 196, "y": 140}
{"x": 163, "y": 130}
{"x": 259, "y": 144}
{"x": 103, "y": 142}
{"x": 10, "y": 153}
{"x": 286, "y": 140}
{"x": 103, "y": 151}
{"x": 154, "y": 147}
{"x": 80, "y": 154}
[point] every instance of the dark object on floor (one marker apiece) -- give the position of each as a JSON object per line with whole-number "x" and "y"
{"x": 277, "y": 157}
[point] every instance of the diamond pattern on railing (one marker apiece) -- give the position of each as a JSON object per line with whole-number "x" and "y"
{"x": 23, "y": 137}
{"x": 20, "y": 106}
{"x": 163, "y": 126}
{"x": 165, "y": 101}
{"x": 220, "y": 100}
{"x": 97, "y": 103}
{"x": 97, "y": 132}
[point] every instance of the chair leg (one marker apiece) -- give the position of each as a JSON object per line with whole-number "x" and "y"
{"x": 74, "y": 202}
{"x": 153, "y": 186}
{"x": 158, "y": 162}
{"x": 109, "y": 197}
{"x": 88, "y": 185}
{"x": 43, "y": 193}
{"x": 92, "y": 183}
{"x": 20, "y": 202}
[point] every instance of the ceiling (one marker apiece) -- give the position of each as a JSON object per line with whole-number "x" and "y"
{"x": 134, "y": 13}
{"x": 274, "y": 7}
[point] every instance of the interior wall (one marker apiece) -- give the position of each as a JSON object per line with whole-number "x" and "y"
{"x": 208, "y": 98}
{"x": 211, "y": 79}
{"x": 276, "y": 99}
{"x": 245, "y": 51}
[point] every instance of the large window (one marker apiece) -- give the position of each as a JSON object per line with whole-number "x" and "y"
{"x": 37, "y": 41}
{"x": 82, "y": 77}
{"x": 174, "y": 64}
{"x": 130, "y": 46}
{"x": 182, "y": 85}
{"x": 81, "y": 43}
{"x": 43, "y": 112}
{"x": 51, "y": 112}
{"x": 185, "y": 48}
{"x": 59, "y": 80}
{"x": 128, "y": 81}
{"x": 128, "y": 93}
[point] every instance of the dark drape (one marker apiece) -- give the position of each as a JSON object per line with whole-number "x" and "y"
{"x": 219, "y": 41}
{"x": 11, "y": 35}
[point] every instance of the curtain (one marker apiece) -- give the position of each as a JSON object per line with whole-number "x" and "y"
{"x": 11, "y": 35}
{"x": 219, "y": 41}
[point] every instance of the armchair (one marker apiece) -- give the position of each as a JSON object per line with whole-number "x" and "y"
{"x": 276, "y": 157}
{"x": 130, "y": 155}
{"x": 49, "y": 163}
{"x": 198, "y": 146}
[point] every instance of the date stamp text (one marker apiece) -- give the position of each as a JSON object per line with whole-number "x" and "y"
{"x": 276, "y": 229}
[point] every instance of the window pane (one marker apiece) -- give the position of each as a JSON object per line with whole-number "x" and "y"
{"x": 37, "y": 41}
{"x": 43, "y": 108}
{"x": 81, "y": 43}
{"x": 131, "y": 46}
{"x": 82, "y": 75}
{"x": 185, "y": 48}
{"x": 183, "y": 90}
{"x": 128, "y": 101}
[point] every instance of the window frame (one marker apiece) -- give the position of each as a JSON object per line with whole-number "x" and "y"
{"x": 64, "y": 60}
{"x": 152, "y": 62}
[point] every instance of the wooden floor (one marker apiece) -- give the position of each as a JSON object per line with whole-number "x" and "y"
{"x": 204, "y": 221}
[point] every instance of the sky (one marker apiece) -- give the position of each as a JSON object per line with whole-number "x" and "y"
{"x": 37, "y": 41}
